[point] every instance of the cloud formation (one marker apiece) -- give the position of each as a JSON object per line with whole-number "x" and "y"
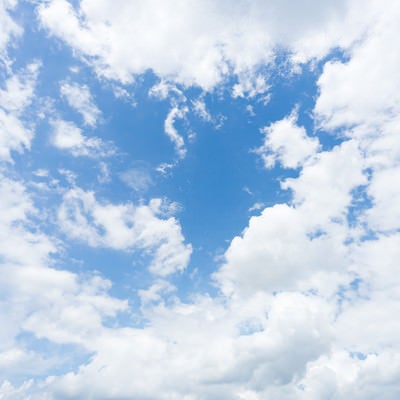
{"x": 126, "y": 227}
{"x": 301, "y": 304}
{"x": 199, "y": 43}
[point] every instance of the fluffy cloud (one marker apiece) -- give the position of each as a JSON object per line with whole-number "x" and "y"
{"x": 287, "y": 247}
{"x": 306, "y": 294}
{"x": 194, "y": 42}
{"x": 372, "y": 97}
{"x": 323, "y": 190}
{"x": 229, "y": 363}
{"x": 48, "y": 303}
{"x": 124, "y": 227}
{"x": 287, "y": 143}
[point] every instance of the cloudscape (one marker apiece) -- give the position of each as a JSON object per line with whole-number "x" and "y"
{"x": 199, "y": 200}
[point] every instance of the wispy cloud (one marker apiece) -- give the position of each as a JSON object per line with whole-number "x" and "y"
{"x": 67, "y": 136}
{"x": 80, "y": 99}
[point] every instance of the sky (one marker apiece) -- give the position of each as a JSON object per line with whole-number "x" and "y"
{"x": 199, "y": 200}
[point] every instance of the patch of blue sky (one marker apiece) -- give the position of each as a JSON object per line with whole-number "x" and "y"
{"x": 356, "y": 288}
{"x": 57, "y": 357}
{"x": 361, "y": 202}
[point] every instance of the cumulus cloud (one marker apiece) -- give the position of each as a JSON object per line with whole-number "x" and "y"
{"x": 198, "y": 43}
{"x": 126, "y": 227}
{"x": 305, "y": 296}
{"x": 372, "y": 98}
{"x": 49, "y": 303}
{"x": 229, "y": 363}
{"x": 287, "y": 143}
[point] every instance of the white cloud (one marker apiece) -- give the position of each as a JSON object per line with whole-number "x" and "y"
{"x": 16, "y": 96}
{"x": 372, "y": 96}
{"x": 8, "y": 27}
{"x": 19, "y": 89}
{"x": 49, "y": 303}
{"x": 287, "y": 143}
{"x": 279, "y": 252}
{"x": 174, "y": 114}
{"x": 198, "y": 43}
{"x": 80, "y": 99}
{"x": 14, "y": 136}
{"x": 297, "y": 247}
{"x": 306, "y": 303}
{"x": 8, "y": 391}
{"x": 360, "y": 98}
{"x": 155, "y": 292}
{"x": 164, "y": 90}
{"x": 257, "y": 206}
{"x": 324, "y": 187}
{"x": 126, "y": 227}
{"x": 250, "y": 85}
{"x": 385, "y": 193}
{"x": 104, "y": 175}
{"x": 229, "y": 362}
{"x": 200, "y": 108}
{"x": 67, "y": 136}
{"x": 342, "y": 376}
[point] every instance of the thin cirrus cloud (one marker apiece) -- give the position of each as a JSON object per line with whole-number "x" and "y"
{"x": 110, "y": 291}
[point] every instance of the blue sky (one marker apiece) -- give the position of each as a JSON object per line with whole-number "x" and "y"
{"x": 199, "y": 200}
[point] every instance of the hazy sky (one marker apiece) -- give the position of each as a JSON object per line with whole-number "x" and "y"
{"x": 199, "y": 200}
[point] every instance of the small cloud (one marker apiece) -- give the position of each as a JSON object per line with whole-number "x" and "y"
{"x": 250, "y": 86}
{"x": 248, "y": 191}
{"x": 19, "y": 89}
{"x": 104, "y": 173}
{"x": 200, "y": 109}
{"x": 67, "y": 136}
{"x": 122, "y": 94}
{"x": 250, "y": 110}
{"x": 156, "y": 292}
{"x": 74, "y": 69}
{"x": 256, "y": 207}
{"x": 68, "y": 175}
{"x": 80, "y": 99}
{"x": 137, "y": 178}
{"x": 164, "y": 90}
{"x": 287, "y": 143}
{"x": 41, "y": 173}
{"x": 165, "y": 168}
{"x": 169, "y": 128}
